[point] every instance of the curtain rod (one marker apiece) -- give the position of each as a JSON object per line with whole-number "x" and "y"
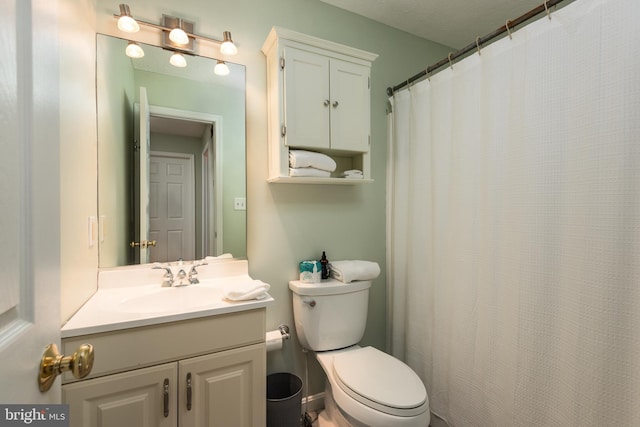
{"x": 506, "y": 28}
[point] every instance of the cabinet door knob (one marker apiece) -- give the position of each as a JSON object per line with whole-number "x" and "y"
{"x": 335, "y": 104}
{"x": 326, "y": 102}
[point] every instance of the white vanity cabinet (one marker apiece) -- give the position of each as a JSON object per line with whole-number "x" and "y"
{"x": 199, "y": 372}
{"x": 318, "y": 99}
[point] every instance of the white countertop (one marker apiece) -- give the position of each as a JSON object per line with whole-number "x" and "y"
{"x": 133, "y": 297}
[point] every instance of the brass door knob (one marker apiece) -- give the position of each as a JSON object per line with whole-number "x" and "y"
{"x": 53, "y": 364}
{"x": 144, "y": 244}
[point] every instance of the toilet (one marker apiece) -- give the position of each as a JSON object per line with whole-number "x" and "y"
{"x": 365, "y": 386}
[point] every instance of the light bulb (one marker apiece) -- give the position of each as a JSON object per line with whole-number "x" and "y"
{"x": 178, "y": 60}
{"x": 221, "y": 69}
{"x": 177, "y": 35}
{"x": 134, "y": 50}
{"x": 126, "y": 23}
{"x": 227, "y": 47}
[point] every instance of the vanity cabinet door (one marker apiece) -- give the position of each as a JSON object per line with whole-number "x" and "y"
{"x": 143, "y": 398}
{"x": 224, "y": 389}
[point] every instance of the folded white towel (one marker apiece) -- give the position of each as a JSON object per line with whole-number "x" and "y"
{"x": 348, "y": 271}
{"x": 311, "y": 159}
{"x": 309, "y": 172}
{"x": 353, "y": 174}
{"x": 218, "y": 258}
{"x": 255, "y": 289}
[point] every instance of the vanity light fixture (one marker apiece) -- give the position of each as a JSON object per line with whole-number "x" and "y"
{"x": 178, "y": 60}
{"x": 184, "y": 38}
{"x": 134, "y": 50}
{"x": 221, "y": 69}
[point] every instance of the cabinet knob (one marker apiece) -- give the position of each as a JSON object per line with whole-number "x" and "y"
{"x": 326, "y": 102}
{"x": 335, "y": 104}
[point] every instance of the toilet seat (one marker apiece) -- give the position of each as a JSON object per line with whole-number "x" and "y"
{"x": 380, "y": 381}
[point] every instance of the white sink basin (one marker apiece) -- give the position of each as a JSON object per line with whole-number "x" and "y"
{"x": 171, "y": 299}
{"x": 130, "y": 297}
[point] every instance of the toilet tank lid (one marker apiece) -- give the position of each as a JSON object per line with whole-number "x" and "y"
{"x": 328, "y": 287}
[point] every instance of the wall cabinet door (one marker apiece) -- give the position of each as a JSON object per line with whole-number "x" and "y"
{"x": 306, "y": 99}
{"x": 350, "y": 106}
{"x": 224, "y": 389}
{"x": 327, "y": 102}
{"x": 142, "y": 398}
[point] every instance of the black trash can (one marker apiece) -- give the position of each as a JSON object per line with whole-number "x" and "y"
{"x": 284, "y": 400}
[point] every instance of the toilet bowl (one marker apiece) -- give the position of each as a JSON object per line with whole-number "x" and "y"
{"x": 364, "y": 386}
{"x": 371, "y": 388}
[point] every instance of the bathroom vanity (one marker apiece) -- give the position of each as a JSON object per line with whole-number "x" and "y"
{"x": 194, "y": 361}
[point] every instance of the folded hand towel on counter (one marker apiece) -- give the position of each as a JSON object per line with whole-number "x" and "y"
{"x": 348, "y": 271}
{"x": 309, "y": 172}
{"x": 255, "y": 289}
{"x": 311, "y": 159}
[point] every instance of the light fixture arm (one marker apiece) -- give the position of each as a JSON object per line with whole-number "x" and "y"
{"x": 163, "y": 28}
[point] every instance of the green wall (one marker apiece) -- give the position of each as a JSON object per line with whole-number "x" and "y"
{"x": 288, "y": 223}
{"x": 116, "y": 95}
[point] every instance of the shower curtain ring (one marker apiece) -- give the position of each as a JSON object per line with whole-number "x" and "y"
{"x": 547, "y": 9}
{"x": 508, "y": 29}
{"x": 478, "y": 45}
{"x": 450, "y": 63}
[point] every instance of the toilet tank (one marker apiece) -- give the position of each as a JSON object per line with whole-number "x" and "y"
{"x": 331, "y": 314}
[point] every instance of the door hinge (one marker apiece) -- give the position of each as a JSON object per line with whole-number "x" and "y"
{"x": 368, "y": 82}
{"x": 283, "y": 130}
{"x": 369, "y": 139}
{"x": 282, "y": 62}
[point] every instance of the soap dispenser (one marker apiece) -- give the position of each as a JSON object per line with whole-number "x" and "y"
{"x": 324, "y": 262}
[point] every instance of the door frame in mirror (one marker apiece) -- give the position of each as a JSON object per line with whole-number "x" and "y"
{"x": 217, "y": 122}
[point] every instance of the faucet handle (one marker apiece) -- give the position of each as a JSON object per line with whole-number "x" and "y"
{"x": 168, "y": 274}
{"x": 193, "y": 273}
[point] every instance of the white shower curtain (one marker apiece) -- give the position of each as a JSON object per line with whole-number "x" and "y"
{"x": 514, "y": 225}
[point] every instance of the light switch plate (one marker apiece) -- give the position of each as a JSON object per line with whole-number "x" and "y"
{"x": 240, "y": 204}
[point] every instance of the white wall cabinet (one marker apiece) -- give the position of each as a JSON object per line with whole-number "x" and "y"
{"x": 225, "y": 386}
{"x": 318, "y": 99}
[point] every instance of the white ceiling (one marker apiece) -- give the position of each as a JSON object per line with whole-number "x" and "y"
{"x": 453, "y": 23}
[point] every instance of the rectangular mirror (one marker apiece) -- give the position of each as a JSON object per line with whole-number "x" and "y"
{"x": 192, "y": 178}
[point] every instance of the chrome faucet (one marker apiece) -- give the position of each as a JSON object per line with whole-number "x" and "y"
{"x": 181, "y": 278}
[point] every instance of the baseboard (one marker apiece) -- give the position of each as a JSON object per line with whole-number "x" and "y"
{"x": 315, "y": 402}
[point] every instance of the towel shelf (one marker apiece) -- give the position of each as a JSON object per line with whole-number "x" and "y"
{"x": 312, "y": 180}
